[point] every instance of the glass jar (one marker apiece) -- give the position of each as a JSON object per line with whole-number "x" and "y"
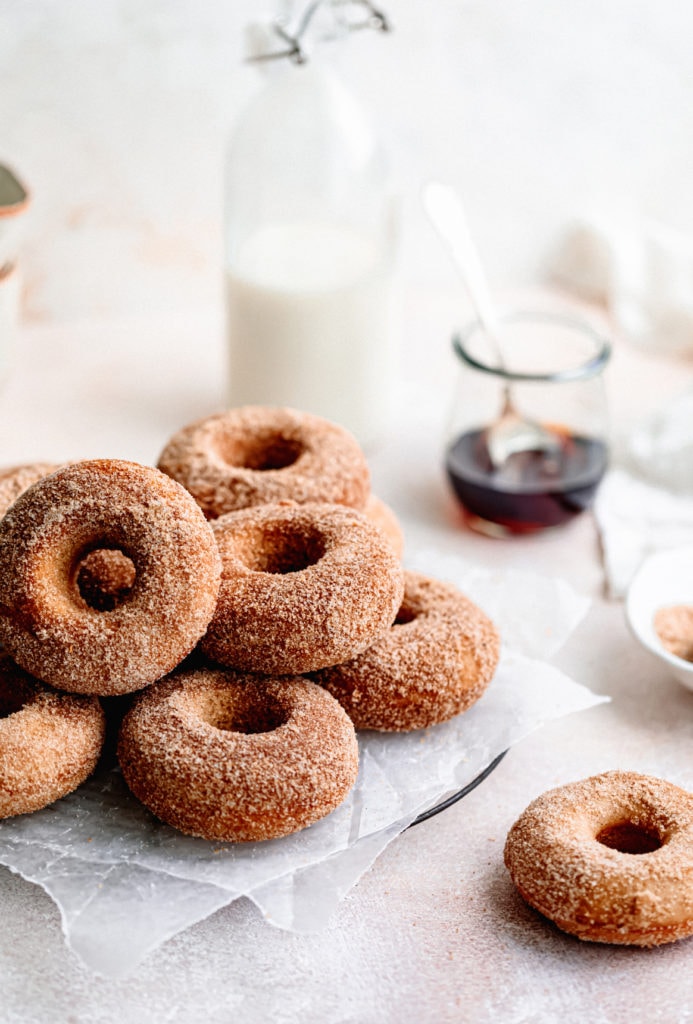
{"x": 309, "y": 248}
{"x": 527, "y": 443}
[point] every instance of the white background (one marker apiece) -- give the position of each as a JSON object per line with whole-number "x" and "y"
{"x": 116, "y": 111}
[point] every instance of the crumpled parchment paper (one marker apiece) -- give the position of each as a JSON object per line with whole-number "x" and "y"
{"x": 125, "y": 882}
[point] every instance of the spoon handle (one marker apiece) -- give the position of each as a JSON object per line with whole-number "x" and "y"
{"x": 443, "y": 206}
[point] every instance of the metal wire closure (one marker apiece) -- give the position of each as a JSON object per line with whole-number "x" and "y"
{"x": 345, "y": 16}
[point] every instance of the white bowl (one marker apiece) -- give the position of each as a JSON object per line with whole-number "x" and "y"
{"x": 663, "y": 579}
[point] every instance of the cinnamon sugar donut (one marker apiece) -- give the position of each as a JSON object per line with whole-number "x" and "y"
{"x": 257, "y": 455}
{"x": 14, "y": 480}
{"x": 385, "y": 519}
{"x": 437, "y": 658}
{"x": 303, "y": 586}
{"x": 609, "y": 859}
{"x": 104, "y": 576}
{"x": 237, "y": 758}
{"x": 49, "y": 742}
{"x": 45, "y": 622}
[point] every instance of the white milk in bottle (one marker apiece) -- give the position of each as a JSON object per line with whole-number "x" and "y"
{"x": 309, "y": 249}
{"x": 309, "y": 324}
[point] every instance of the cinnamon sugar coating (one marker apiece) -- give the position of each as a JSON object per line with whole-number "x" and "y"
{"x": 257, "y": 455}
{"x": 382, "y": 516}
{"x": 434, "y": 662}
{"x": 49, "y": 742}
{"x": 674, "y": 627}
{"x": 45, "y": 622}
{"x": 303, "y": 587}
{"x": 237, "y": 758}
{"x": 14, "y": 480}
{"x": 609, "y": 858}
{"x": 105, "y": 576}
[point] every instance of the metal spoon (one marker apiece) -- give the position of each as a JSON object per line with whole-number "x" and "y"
{"x": 510, "y": 432}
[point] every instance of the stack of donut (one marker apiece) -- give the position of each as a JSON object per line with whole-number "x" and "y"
{"x": 257, "y": 544}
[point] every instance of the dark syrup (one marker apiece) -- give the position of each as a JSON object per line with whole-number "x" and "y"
{"x": 532, "y": 490}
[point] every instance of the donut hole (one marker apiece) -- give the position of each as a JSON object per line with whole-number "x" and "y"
{"x": 282, "y": 551}
{"x": 405, "y": 615}
{"x": 272, "y": 451}
{"x": 12, "y": 698}
{"x": 630, "y": 837}
{"x": 234, "y": 713}
{"x": 104, "y": 578}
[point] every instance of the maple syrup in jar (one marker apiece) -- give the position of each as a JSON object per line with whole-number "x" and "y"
{"x": 527, "y": 443}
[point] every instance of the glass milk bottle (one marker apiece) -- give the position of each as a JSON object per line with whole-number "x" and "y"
{"x": 309, "y": 240}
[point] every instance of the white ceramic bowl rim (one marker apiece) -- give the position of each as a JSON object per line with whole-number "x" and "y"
{"x": 664, "y": 579}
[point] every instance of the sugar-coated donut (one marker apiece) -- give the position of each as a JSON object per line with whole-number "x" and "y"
{"x": 303, "y": 586}
{"x": 609, "y": 859}
{"x": 235, "y": 757}
{"x": 45, "y": 622}
{"x": 386, "y": 520}
{"x": 14, "y": 480}
{"x": 49, "y": 742}
{"x": 104, "y": 576}
{"x": 437, "y": 658}
{"x": 257, "y": 455}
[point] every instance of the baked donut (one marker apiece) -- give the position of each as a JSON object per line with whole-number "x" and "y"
{"x": 14, "y": 480}
{"x": 303, "y": 586}
{"x": 609, "y": 859}
{"x": 49, "y": 742}
{"x": 237, "y": 758}
{"x": 385, "y": 519}
{"x": 104, "y": 576}
{"x": 45, "y": 622}
{"x": 437, "y": 658}
{"x": 257, "y": 455}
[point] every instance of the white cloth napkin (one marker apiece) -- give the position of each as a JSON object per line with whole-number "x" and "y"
{"x": 646, "y": 504}
{"x": 635, "y": 519}
{"x": 640, "y": 269}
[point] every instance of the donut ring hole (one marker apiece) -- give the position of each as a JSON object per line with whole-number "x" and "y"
{"x": 12, "y": 698}
{"x": 630, "y": 837}
{"x": 104, "y": 578}
{"x": 244, "y": 713}
{"x": 269, "y": 451}
{"x": 405, "y": 615}
{"x": 282, "y": 550}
